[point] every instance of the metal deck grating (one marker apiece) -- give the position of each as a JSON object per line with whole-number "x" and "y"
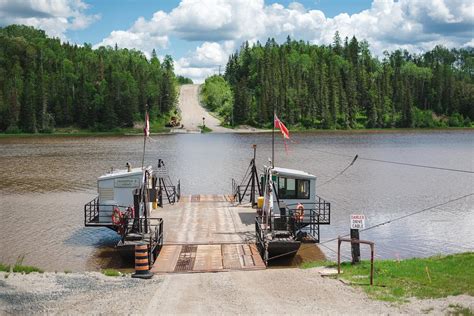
{"x": 208, "y": 258}
{"x": 186, "y": 258}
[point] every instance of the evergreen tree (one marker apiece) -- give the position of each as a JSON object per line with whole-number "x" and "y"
{"x": 27, "y": 111}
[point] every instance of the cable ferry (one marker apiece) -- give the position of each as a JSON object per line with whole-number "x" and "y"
{"x": 289, "y": 212}
{"x": 124, "y": 202}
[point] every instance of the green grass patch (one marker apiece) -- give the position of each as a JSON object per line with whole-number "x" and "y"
{"x": 4, "y": 267}
{"x": 394, "y": 280}
{"x": 19, "y": 267}
{"x": 314, "y": 264}
{"x": 26, "y": 269}
{"x": 458, "y": 310}
{"x": 111, "y": 272}
{"x": 205, "y": 129}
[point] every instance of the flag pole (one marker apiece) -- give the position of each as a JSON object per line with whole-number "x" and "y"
{"x": 145, "y": 133}
{"x": 273, "y": 137}
{"x": 144, "y": 145}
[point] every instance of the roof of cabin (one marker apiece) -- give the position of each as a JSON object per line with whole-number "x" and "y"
{"x": 121, "y": 173}
{"x": 293, "y": 173}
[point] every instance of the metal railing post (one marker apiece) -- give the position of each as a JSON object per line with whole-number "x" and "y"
{"x": 352, "y": 241}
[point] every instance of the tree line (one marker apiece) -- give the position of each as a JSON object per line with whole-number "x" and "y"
{"x": 45, "y": 83}
{"x": 343, "y": 86}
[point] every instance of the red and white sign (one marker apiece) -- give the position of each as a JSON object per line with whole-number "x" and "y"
{"x": 357, "y": 221}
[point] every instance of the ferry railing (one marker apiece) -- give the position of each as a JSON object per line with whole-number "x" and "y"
{"x": 302, "y": 226}
{"x": 96, "y": 214}
{"x": 320, "y": 207}
{"x": 260, "y": 235}
{"x": 235, "y": 192}
{"x": 153, "y": 235}
{"x": 91, "y": 211}
{"x": 172, "y": 194}
{"x": 178, "y": 190}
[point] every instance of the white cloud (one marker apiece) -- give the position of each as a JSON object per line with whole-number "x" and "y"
{"x": 205, "y": 60}
{"x": 56, "y": 17}
{"x": 127, "y": 39}
{"x": 220, "y": 26}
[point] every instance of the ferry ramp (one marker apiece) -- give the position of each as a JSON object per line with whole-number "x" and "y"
{"x": 207, "y": 233}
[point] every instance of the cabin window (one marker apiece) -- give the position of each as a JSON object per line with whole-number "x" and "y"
{"x": 289, "y": 188}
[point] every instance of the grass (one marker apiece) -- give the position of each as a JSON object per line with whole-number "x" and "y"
{"x": 394, "y": 280}
{"x": 4, "y": 267}
{"x": 205, "y": 129}
{"x": 111, "y": 272}
{"x": 26, "y": 269}
{"x": 314, "y": 264}
{"x": 458, "y": 310}
{"x": 19, "y": 268}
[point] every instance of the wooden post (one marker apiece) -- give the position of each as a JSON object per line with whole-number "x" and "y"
{"x": 371, "y": 264}
{"x": 355, "y": 246}
{"x": 339, "y": 255}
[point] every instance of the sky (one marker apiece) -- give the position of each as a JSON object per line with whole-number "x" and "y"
{"x": 201, "y": 34}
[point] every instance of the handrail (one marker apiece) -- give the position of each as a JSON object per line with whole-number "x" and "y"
{"x": 320, "y": 206}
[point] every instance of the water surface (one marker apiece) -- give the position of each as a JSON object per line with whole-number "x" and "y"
{"x": 45, "y": 182}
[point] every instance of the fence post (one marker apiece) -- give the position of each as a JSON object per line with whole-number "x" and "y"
{"x": 338, "y": 254}
{"x": 355, "y": 246}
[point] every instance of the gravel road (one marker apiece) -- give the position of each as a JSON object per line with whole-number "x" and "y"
{"x": 192, "y": 113}
{"x": 273, "y": 291}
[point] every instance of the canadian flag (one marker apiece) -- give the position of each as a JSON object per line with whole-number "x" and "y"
{"x": 279, "y": 124}
{"x": 146, "y": 130}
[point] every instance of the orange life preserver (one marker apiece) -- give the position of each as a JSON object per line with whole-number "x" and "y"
{"x": 299, "y": 214}
{"x": 117, "y": 216}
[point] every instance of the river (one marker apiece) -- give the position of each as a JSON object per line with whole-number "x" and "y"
{"x": 45, "y": 181}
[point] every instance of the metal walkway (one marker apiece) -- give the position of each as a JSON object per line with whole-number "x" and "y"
{"x": 208, "y": 258}
{"x": 206, "y": 233}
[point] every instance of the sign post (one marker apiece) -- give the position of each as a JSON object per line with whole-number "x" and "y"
{"x": 357, "y": 222}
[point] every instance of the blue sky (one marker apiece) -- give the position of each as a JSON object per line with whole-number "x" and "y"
{"x": 200, "y": 34}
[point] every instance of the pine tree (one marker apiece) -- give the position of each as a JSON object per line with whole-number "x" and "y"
{"x": 27, "y": 110}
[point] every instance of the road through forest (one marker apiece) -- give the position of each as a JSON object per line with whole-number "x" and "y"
{"x": 192, "y": 112}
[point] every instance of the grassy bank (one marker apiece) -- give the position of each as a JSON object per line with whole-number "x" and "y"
{"x": 19, "y": 268}
{"x": 155, "y": 128}
{"x": 394, "y": 280}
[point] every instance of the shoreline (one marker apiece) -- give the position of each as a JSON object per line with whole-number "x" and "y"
{"x": 239, "y": 292}
{"x": 245, "y": 130}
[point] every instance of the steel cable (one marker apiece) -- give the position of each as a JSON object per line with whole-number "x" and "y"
{"x": 387, "y": 222}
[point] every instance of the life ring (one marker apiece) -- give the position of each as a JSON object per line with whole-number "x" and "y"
{"x": 299, "y": 214}
{"x": 117, "y": 216}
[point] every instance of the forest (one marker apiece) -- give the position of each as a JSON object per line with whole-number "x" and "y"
{"x": 45, "y": 84}
{"x": 342, "y": 86}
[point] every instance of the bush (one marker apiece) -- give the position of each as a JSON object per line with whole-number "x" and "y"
{"x": 467, "y": 122}
{"x": 423, "y": 119}
{"x": 13, "y": 129}
{"x": 217, "y": 97}
{"x": 456, "y": 120}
